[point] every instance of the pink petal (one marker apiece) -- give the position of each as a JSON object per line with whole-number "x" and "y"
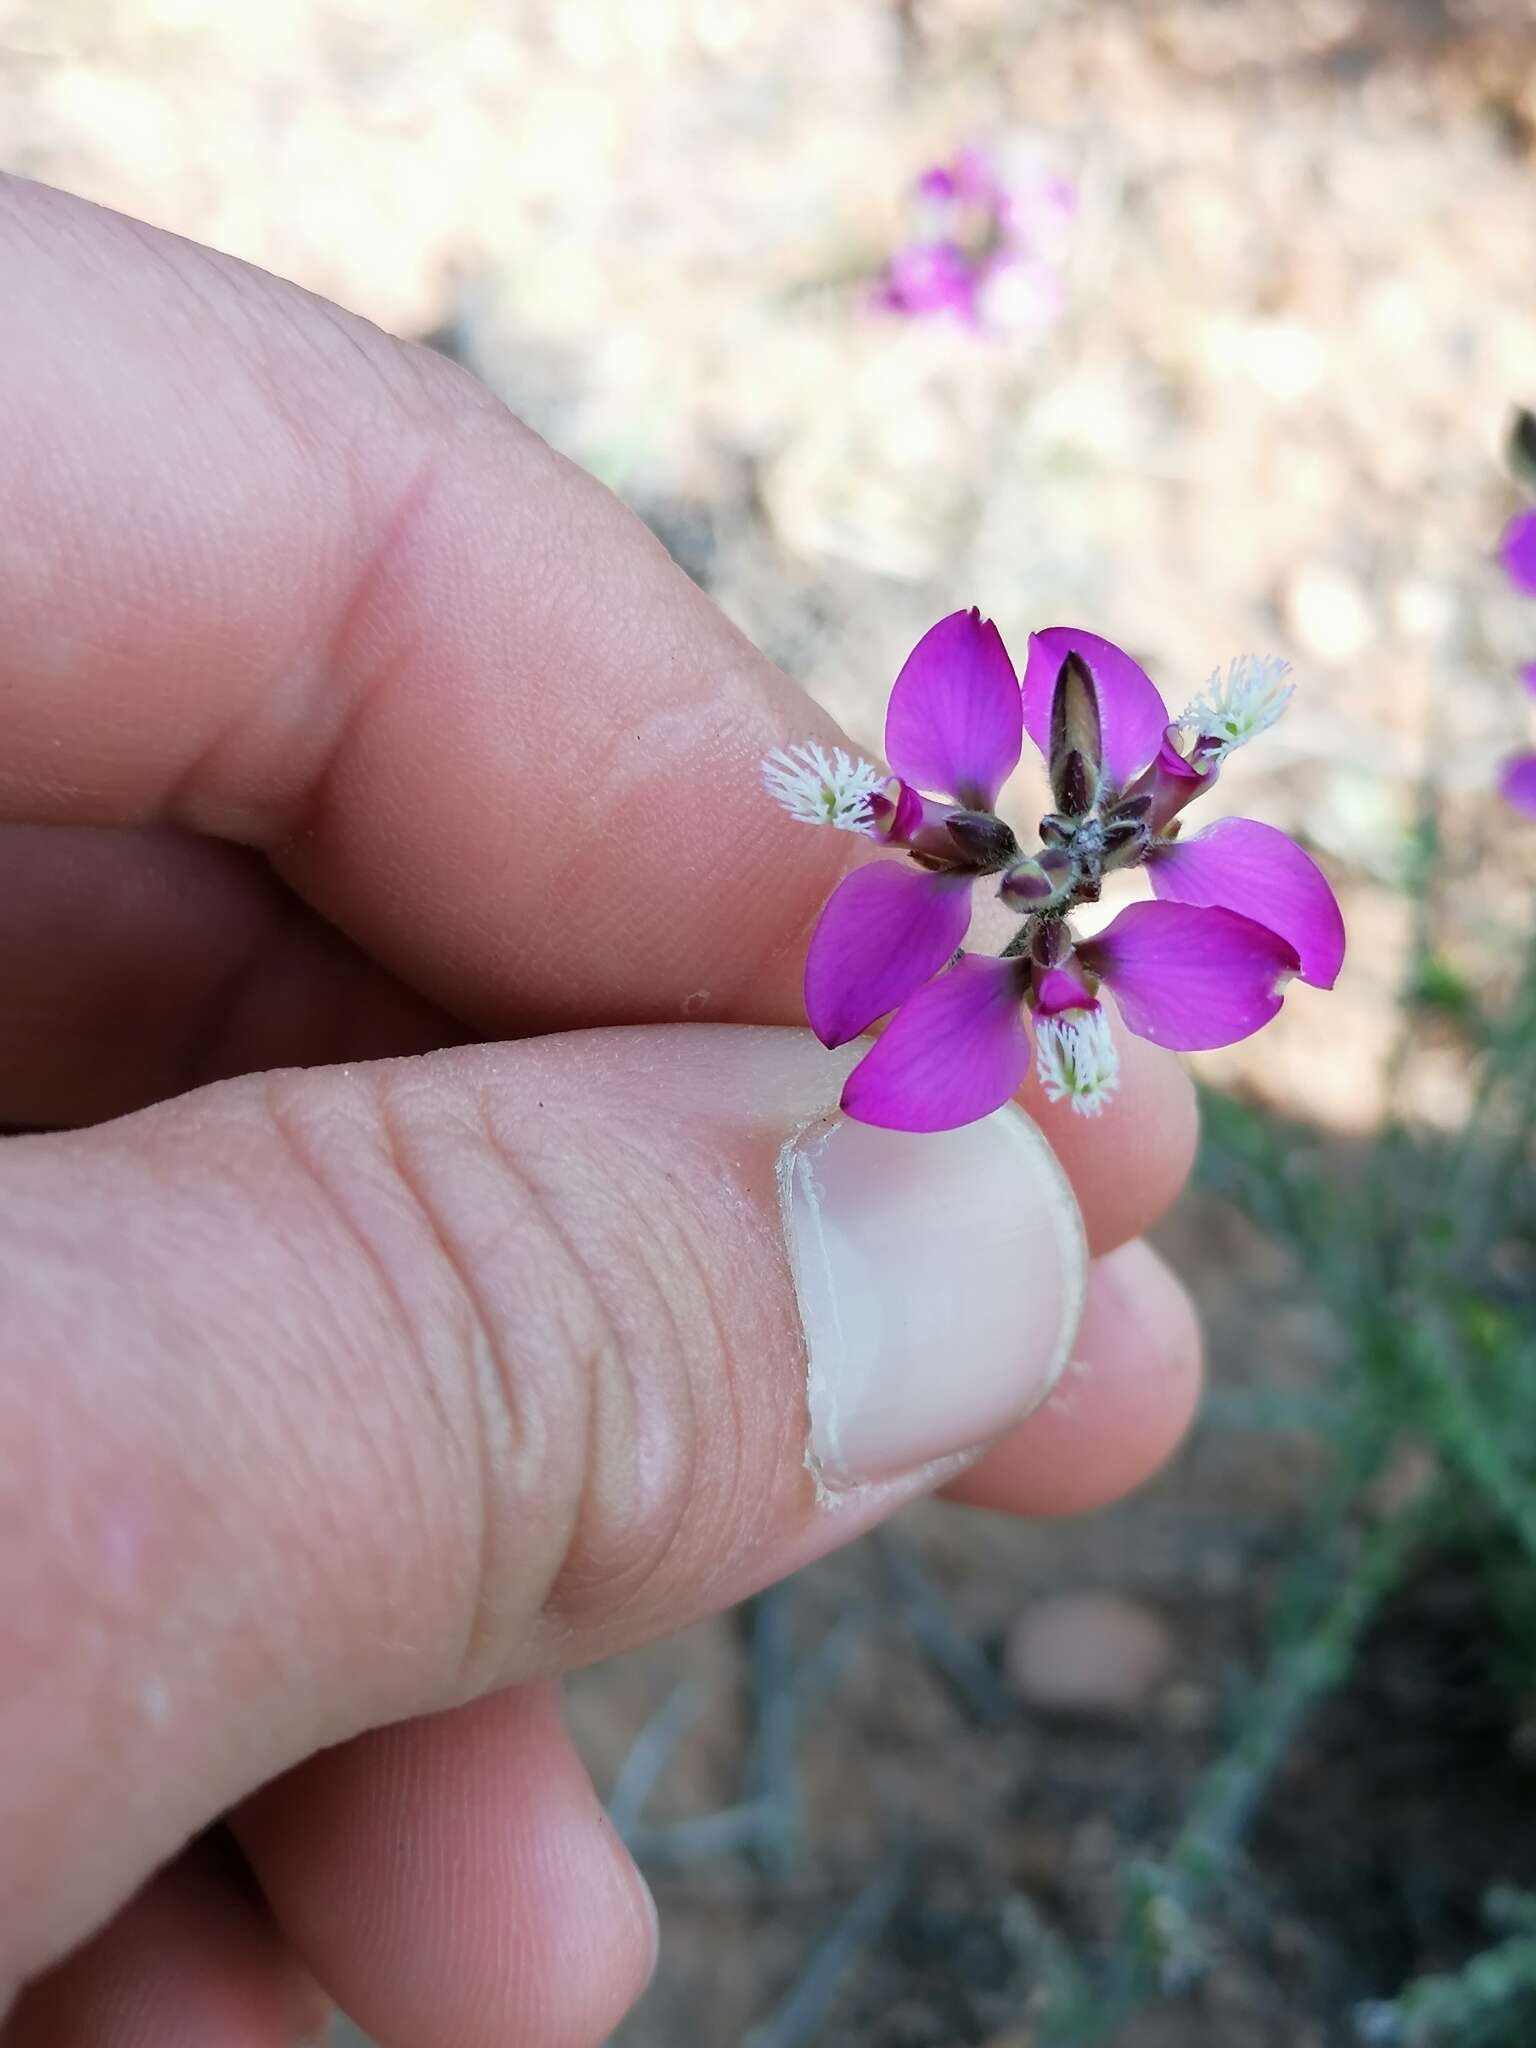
{"x": 1057, "y": 990}
{"x": 1238, "y": 864}
{"x": 930, "y": 277}
{"x": 1517, "y": 551}
{"x": 1132, "y": 714}
{"x": 1528, "y": 677}
{"x": 954, "y": 1052}
{"x": 1517, "y": 783}
{"x": 886, "y": 928}
{"x": 1189, "y": 977}
{"x": 955, "y": 723}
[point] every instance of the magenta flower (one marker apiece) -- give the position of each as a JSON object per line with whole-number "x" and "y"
{"x": 1517, "y": 779}
{"x": 1239, "y": 908}
{"x": 1517, "y": 783}
{"x": 1517, "y": 551}
{"x": 983, "y": 246}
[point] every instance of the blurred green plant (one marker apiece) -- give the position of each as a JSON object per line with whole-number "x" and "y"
{"x": 1424, "y": 1258}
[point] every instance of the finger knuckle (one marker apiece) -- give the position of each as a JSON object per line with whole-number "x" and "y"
{"x": 561, "y": 1311}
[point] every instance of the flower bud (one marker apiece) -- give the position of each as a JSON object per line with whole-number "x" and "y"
{"x": 1077, "y": 741}
{"x": 1050, "y": 942}
{"x": 1030, "y": 884}
{"x": 1130, "y": 810}
{"x": 983, "y": 841}
{"x": 1124, "y": 845}
{"x": 1521, "y": 447}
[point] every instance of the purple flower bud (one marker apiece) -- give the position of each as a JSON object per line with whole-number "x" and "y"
{"x": 1050, "y": 942}
{"x": 1029, "y": 884}
{"x": 1077, "y": 740}
{"x": 982, "y": 840}
{"x": 1131, "y": 810}
{"x": 1125, "y": 844}
{"x": 1521, "y": 447}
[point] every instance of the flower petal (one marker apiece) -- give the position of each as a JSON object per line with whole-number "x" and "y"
{"x": 1517, "y": 551}
{"x": 1132, "y": 714}
{"x": 1517, "y": 783}
{"x": 955, "y": 723}
{"x": 954, "y": 1052}
{"x": 1238, "y": 864}
{"x": 1528, "y": 677}
{"x": 930, "y": 277}
{"x": 887, "y": 927}
{"x": 1189, "y": 977}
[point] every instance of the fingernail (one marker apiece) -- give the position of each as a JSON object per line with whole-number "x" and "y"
{"x": 940, "y": 1279}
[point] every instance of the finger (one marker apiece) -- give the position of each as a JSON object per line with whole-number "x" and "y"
{"x": 340, "y": 1397}
{"x": 145, "y": 962}
{"x": 192, "y": 1960}
{"x": 141, "y": 963}
{"x": 272, "y": 576}
{"x": 455, "y": 1883}
{"x": 1120, "y": 1409}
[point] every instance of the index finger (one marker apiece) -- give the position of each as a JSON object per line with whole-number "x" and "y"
{"x": 269, "y": 574}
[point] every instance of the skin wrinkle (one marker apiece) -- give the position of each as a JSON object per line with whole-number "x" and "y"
{"x": 491, "y": 1423}
{"x": 650, "y": 1526}
{"x": 362, "y": 686}
{"x": 516, "y": 1466}
{"x": 609, "y": 1361}
{"x": 400, "y": 1477}
{"x": 318, "y": 733}
{"x": 501, "y": 1417}
{"x": 290, "y": 1130}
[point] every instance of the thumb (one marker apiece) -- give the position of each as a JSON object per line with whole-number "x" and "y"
{"x": 337, "y": 1397}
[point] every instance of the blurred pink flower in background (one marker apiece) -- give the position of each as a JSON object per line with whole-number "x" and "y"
{"x": 988, "y": 232}
{"x": 1517, "y": 554}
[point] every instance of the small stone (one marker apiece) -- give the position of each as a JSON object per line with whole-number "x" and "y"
{"x": 1097, "y": 1655}
{"x": 1328, "y": 614}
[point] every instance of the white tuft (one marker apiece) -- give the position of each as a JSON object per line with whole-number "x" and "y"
{"x": 1237, "y": 707}
{"x": 1077, "y": 1059}
{"x": 821, "y": 788}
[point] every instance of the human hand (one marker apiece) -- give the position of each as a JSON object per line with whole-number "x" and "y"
{"x": 343, "y": 1408}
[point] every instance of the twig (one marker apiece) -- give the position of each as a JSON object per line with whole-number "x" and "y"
{"x": 957, "y": 1657}
{"x": 799, "y": 2019}
{"x": 771, "y": 1779}
{"x": 755, "y": 1824}
{"x": 649, "y": 1756}
{"x": 1302, "y": 1672}
{"x": 729, "y": 1831}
